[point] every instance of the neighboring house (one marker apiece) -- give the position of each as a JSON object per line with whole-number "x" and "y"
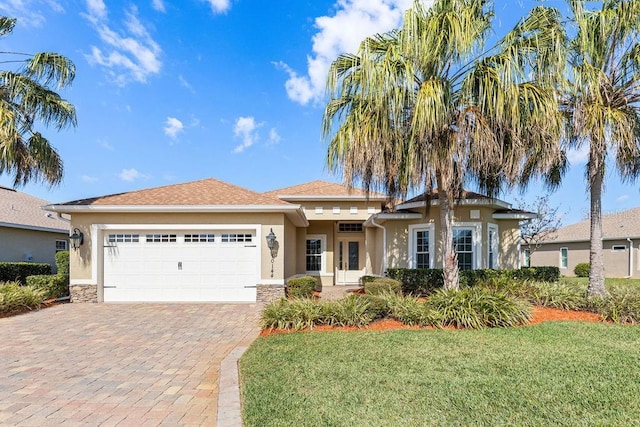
{"x": 27, "y": 232}
{"x": 206, "y": 240}
{"x": 570, "y": 246}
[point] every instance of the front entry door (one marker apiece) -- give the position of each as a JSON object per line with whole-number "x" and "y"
{"x": 350, "y": 261}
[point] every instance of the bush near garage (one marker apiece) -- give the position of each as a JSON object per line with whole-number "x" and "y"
{"x": 301, "y": 287}
{"x": 52, "y": 285}
{"x": 15, "y": 298}
{"x": 18, "y": 271}
{"x": 62, "y": 262}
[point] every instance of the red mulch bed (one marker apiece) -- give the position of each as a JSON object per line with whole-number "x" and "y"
{"x": 539, "y": 315}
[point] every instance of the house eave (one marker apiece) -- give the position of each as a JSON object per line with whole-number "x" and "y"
{"x": 464, "y": 202}
{"x": 519, "y": 216}
{"x": 386, "y": 216}
{"x": 310, "y": 198}
{"x": 548, "y": 242}
{"x": 293, "y": 212}
{"x": 34, "y": 228}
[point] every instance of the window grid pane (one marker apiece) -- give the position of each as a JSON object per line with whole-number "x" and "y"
{"x": 123, "y": 238}
{"x": 564, "y": 257}
{"x": 314, "y": 254}
{"x": 196, "y": 238}
{"x": 422, "y": 249}
{"x": 160, "y": 238}
{"x": 463, "y": 247}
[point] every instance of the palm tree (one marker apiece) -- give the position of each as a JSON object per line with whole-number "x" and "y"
{"x": 602, "y": 103}
{"x": 425, "y": 107}
{"x": 26, "y": 101}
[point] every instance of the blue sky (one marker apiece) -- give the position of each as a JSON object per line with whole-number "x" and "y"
{"x": 173, "y": 91}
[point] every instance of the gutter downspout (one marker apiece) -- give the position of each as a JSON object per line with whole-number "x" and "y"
{"x": 384, "y": 244}
{"x": 630, "y": 257}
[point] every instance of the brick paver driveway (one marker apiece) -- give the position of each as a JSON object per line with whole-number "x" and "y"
{"x": 118, "y": 364}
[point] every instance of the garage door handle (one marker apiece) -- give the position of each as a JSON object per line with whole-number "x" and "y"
{"x": 254, "y": 286}
{"x": 249, "y": 246}
{"x": 105, "y": 286}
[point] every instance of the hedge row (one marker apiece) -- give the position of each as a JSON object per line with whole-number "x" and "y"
{"x": 423, "y": 281}
{"x": 18, "y": 271}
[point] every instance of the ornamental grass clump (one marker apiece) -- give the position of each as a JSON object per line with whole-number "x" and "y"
{"x": 409, "y": 310}
{"x": 562, "y": 295}
{"x": 349, "y": 311}
{"x": 293, "y": 314}
{"x": 478, "y": 308}
{"x": 617, "y": 307}
{"x": 14, "y": 297}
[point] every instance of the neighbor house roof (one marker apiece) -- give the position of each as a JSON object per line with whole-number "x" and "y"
{"x": 619, "y": 225}
{"x": 20, "y": 210}
{"x": 206, "y": 192}
{"x": 323, "y": 190}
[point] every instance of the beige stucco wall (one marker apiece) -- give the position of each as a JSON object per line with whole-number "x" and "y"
{"x": 508, "y": 232}
{"x": 16, "y": 244}
{"x": 322, "y": 228}
{"x": 345, "y": 210}
{"x": 80, "y": 260}
{"x": 290, "y": 250}
{"x": 616, "y": 263}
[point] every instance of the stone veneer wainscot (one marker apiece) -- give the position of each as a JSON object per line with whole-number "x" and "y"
{"x": 268, "y": 293}
{"x": 83, "y": 293}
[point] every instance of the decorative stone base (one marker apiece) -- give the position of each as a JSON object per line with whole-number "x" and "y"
{"x": 268, "y": 293}
{"x": 83, "y": 293}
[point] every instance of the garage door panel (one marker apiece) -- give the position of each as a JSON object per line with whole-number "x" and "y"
{"x": 185, "y": 270}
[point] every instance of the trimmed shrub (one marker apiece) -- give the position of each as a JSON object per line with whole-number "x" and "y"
{"x": 18, "y": 271}
{"x": 382, "y": 284}
{"x": 291, "y": 314}
{"x": 15, "y": 297}
{"x": 582, "y": 269}
{"x": 62, "y": 263}
{"x": 478, "y": 308}
{"x": 349, "y": 311}
{"x": 301, "y": 287}
{"x": 53, "y": 285}
{"x": 418, "y": 281}
{"x": 539, "y": 274}
{"x": 368, "y": 278}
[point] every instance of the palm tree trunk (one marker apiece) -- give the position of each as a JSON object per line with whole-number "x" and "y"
{"x": 596, "y": 260}
{"x": 450, "y": 260}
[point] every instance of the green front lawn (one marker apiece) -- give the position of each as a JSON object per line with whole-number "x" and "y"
{"x": 556, "y": 373}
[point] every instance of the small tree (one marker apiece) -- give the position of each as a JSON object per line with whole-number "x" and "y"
{"x": 544, "y": 226}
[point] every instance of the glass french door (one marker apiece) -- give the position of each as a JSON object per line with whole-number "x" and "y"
{"x": 349, "y": 263}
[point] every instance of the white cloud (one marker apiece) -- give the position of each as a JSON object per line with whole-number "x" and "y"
{"x": 274, "y": 137}
{"x": 353, "y": 21}
{"x": 219, "y": 6}
{"x": 578, "y": 156}
{"x": 173, "y": 127}
{"x": 158, "y": 5}
{"x": 89, "y": 179}
{"x": 28, "y": 12}
{"x": 623, "y": 198}
{"x": 186, "y": 84}
{"x": 128, "y": 54}
{"x": 132, "y": 174}
{"x": 246, "y": 129}
{"x": 106, "y": 145}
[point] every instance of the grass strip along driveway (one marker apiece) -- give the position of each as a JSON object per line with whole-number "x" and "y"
{"x": 555, "y": 373}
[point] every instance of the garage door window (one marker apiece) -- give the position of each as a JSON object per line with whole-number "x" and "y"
{"x": 234, "y": 238}
{"x": 124, "y": 238}
{"x": 161, "y": 238}
{"x": 199, "y": 238}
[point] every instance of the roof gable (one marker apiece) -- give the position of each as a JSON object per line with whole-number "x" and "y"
{"x": 21, "y": 210}
{"x": 205, "y": 192}
{"x": 324, "y": 190}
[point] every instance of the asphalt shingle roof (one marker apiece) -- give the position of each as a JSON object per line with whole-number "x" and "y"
{"x": 324, "y": 189}
{"x": 206, "y": 192}
{"x": 22, "y": 210}
{"x": 616, "y": 225}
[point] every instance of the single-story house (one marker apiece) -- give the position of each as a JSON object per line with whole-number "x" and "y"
{"x": 27, "y": 232}
{"x": 569, "y": 246}
{"x": 209, "y": 240}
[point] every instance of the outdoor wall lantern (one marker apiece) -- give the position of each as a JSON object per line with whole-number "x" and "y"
{"x": 76, "y": 239}
{"x": 273, "y": 247}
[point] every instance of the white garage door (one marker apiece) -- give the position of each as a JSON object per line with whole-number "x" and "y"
{"x": 180, "y": 266}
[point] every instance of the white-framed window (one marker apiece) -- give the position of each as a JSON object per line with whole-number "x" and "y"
{"x": 350, "y": 227}
{"x": 463, "y": 247}
{"x": 619, "y": 248}
{"x": 564, "y": 257}
{"x": 61, "y": 245}
{"x": 316, "y": 253}
{"x": 421, "y": 246}
{"x": 492, "y": 246}
{"x": 527, "y": 257}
